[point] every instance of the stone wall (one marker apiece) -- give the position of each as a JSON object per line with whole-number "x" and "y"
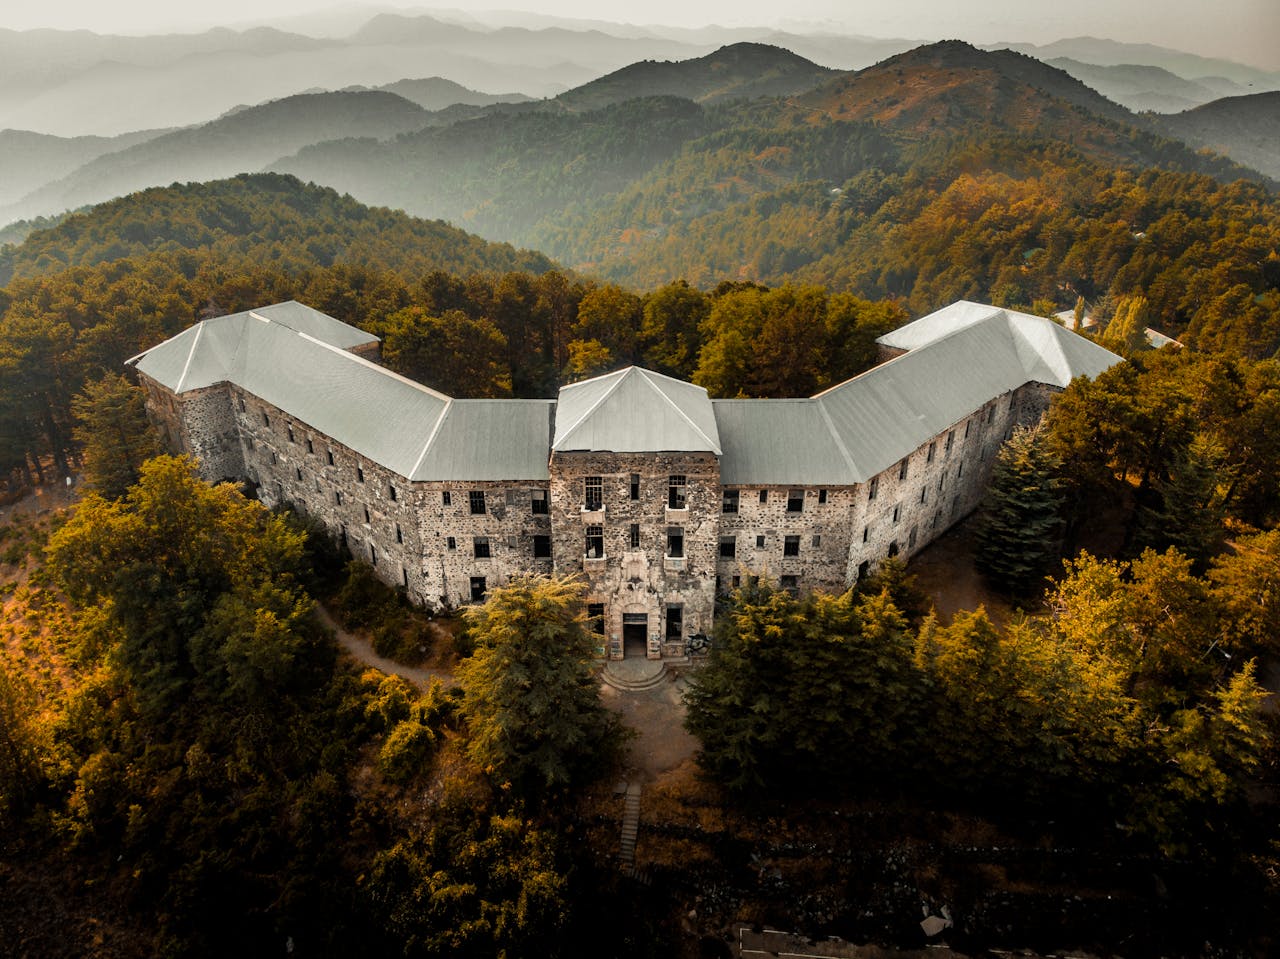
{"x": 200, "y": 424}
{"x": 641, "y": 579}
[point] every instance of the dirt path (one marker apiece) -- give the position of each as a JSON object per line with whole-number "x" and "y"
{"x": 362, "y": 652}
{"x": 657, "y": 716}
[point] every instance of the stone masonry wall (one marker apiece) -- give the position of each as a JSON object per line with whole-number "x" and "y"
{"x": 200, "y": 424}
{"x": 642, "y": 579}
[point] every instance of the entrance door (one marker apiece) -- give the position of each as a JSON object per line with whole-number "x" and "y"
{"x": 635, "y": 635}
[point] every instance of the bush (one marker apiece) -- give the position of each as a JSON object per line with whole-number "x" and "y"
{"x": 406, "y": 751}
{"x": 399, "y": 631}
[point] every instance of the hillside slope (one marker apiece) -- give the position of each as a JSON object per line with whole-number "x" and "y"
{"x": 30, "y": 160}
{"x": 1247, "y": 129}
{"x": 240, "y": 142}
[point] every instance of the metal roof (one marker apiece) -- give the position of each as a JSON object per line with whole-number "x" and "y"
{"x": 635, "y": 411}
{"x": 958, "y": 359}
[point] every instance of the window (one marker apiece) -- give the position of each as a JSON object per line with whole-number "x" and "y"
{"x": 728, "y": 547}
{"x": 817, "y": 539}
{"x": 866, "y": 532}
{"x": 241, "y": 399}
{"x": 675, "y": 541}
{"x": 759, "y": 542}
{"x": 273, "y": 457}
{"x": 342, "y": 535}
{"x": 451, "y": 542}
{"x": 399, "y": 534}
{"x": 593, "y": 498}
{"x": 542, "y": 547}
{"x": 676, "y": 493}
{"x": 366, "y": 514}
{"x": 897, "y": 512}
{"x": 729, "y": 501}
{"x": 248, "y": 441}
{"x": 266, "y": 420}
{"x": 924, "y": 495}
{"x": 393, "y": 493}
{"x": 635, "y": 485}
{"x": 359, "y": 474}
{"x": 373, "y": 554}
{"x": 512, "y": 497}
{"x": 951, "y": 439}
{"x": 675, "y": 622}
{"x": 932, "y": 449}
{"x": 735, "y": 582}
{"x": 795, "y": 501}
{"x": 476, "y": 500}
{"x": 298, "y": 473}
{"x": 764, "y": 496}
{"x": 404, "y": 577}
{"x": 317, "y": 485}
{"x": 481, "y": 547}
{"x": 942, "y": 482}
{"x": 291, "y": 439}
{"x": 538, "y": 501}
{"x": 337, "y": 497}
{"x": 595, "y": 618}
{"x": 864, "y": 568}
{"x": 791, "y": 583}
{"x": 967, "y": 424}
{"x": 446, "y": 497}
{"x": 911, "y": 540}
{"x": 330, "y": 455}
{"x": 893, "y": 548}
{"x": 634, "y": 538}
{"x": 960, "y": 470}
{"x": 822, "y": 496}
{"x": 873, "y": 488}
{"x": 595, "y": 542}
{"x": 991, "y": 412}
{"x": 791, "y": 546}
{"x": 902, "y": 470}
{"x": 477, "y": 588}
{"x": 513, "y": 542}
{"x": 311, "y": 447}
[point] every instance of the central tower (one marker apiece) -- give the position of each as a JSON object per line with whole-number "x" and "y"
{"x": 636, "y": 499}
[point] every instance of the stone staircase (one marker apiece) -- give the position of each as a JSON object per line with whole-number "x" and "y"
{"x": 630, "y": 828}
{"x": 634, "y": 675}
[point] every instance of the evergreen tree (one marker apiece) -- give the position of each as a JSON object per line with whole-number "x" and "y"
{"x": 1019, "y": 530}
{"x": 529, "y": 694}
{"x": 1189, "y": 512}
{"x": 113, "y": 433}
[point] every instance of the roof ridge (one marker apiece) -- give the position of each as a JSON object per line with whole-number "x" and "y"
{"x": 620, "y": 376}
{"x": 431, "y": 438}
{"x": 369, "y": 364}
{"x": 186, "y": 367}
{"x": 835, "y": 435}
{"x": 714, "y": 444}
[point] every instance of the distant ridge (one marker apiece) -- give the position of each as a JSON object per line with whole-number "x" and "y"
{"x": 737, "y": 71}
{"x": 1247, "y": 129}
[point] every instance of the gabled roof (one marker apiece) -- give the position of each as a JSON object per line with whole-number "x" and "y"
{"x": 635, "y": 411}
{"x": 958, "y": 359}
{"x": 295, "y": 359}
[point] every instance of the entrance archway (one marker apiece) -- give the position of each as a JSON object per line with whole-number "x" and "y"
{"x": 635, "y": 635}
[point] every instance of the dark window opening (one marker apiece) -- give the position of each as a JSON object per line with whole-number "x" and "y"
{"x": 298, "y": 473}
{"x": 477, "y": 588}
{"x": 476, "y": 499}
{"x": 791, "y": 584}
{"x": 266, "y": 420}
{"x": 241, "y": 399}
{"x": 873, "y": 488}
{"x": 593, "y": 498}
{"x": 817, "y": 539}
{"x": 967, "y": 424}
{"x": 911, "y": 539}
{"x": 893, "y": 548}
{"x": 451, "y": 542}
{"x": 404, "y": 577}
{"x": 481, "y": 546}
{"x": 866, "y": 531}
{"x": 924, "y": 494}
{"x": 366, "y": 514}
{"x": 394, "y": 495}
{"x": 273, "y": 457}
{"x": 951, "y": 438}
{"x": 864, "y": 568}
{"x": 311, "y": 447}
{"x": 791, "y": 546}
{"x": 538, "y": 502}
{"x": 330, "y": 453}
{"x": 675, "y": 621}
{"x": 635, "y": 485}
{"x": 897, "y": 512}
{"x": 635, "y": 536}
{"x": 399, "y": 534}
{"x": 729, "y": 501}
{"x": 595, "y": 542}
{"x": 675, "y": 541}
{"x": 542, "y": 547}
{"x": 735, "y": 582}
{"x": 795, "y": 501}
{"x": 932, "y": 449}
{"x": 902, "y": 470}
{"x": 676, "y": 493}
{"x": 764, "y": 496}
{"x": 337, "y": 497}
{"x": 759, "y": 542}
{"x": 728, "y": 547}
{"x": 291, "y": 439}
{"x": 595, "y": 618}
{"x": 373, "y": 554}
{"x": 446, "y": 497}
{"x": 359, "y": 474}
{"x": 822, "y": 496}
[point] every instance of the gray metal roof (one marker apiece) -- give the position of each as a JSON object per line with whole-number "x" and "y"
{"x": 959, "y": 359}
{"x": 635, "y": 411}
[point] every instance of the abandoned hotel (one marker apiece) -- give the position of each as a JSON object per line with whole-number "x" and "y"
{"x": 657, "y": 495}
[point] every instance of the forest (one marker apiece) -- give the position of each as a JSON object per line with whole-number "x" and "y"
{"x": 180, "y": 741}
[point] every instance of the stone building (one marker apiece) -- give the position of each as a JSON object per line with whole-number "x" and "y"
{"x": 657, "y": 495}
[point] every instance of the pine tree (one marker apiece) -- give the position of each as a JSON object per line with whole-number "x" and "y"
{"x": 1018, "y": 533}
{"x": 112, "y": 429}
{"x": 1189, "y": 513}
{"x": 529, "y": 694}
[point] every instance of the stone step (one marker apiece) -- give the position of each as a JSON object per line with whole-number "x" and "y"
{"x": 611, "y": 678}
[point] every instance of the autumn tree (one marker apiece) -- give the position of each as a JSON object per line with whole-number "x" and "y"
{"x": 452, "y": 352}
{"x": 530, "y": 696}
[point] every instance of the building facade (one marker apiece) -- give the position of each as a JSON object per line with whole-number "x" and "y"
{"x": 659, "y": 497}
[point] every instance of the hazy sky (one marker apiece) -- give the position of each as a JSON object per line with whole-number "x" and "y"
{"x": 1244, "y": 30}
